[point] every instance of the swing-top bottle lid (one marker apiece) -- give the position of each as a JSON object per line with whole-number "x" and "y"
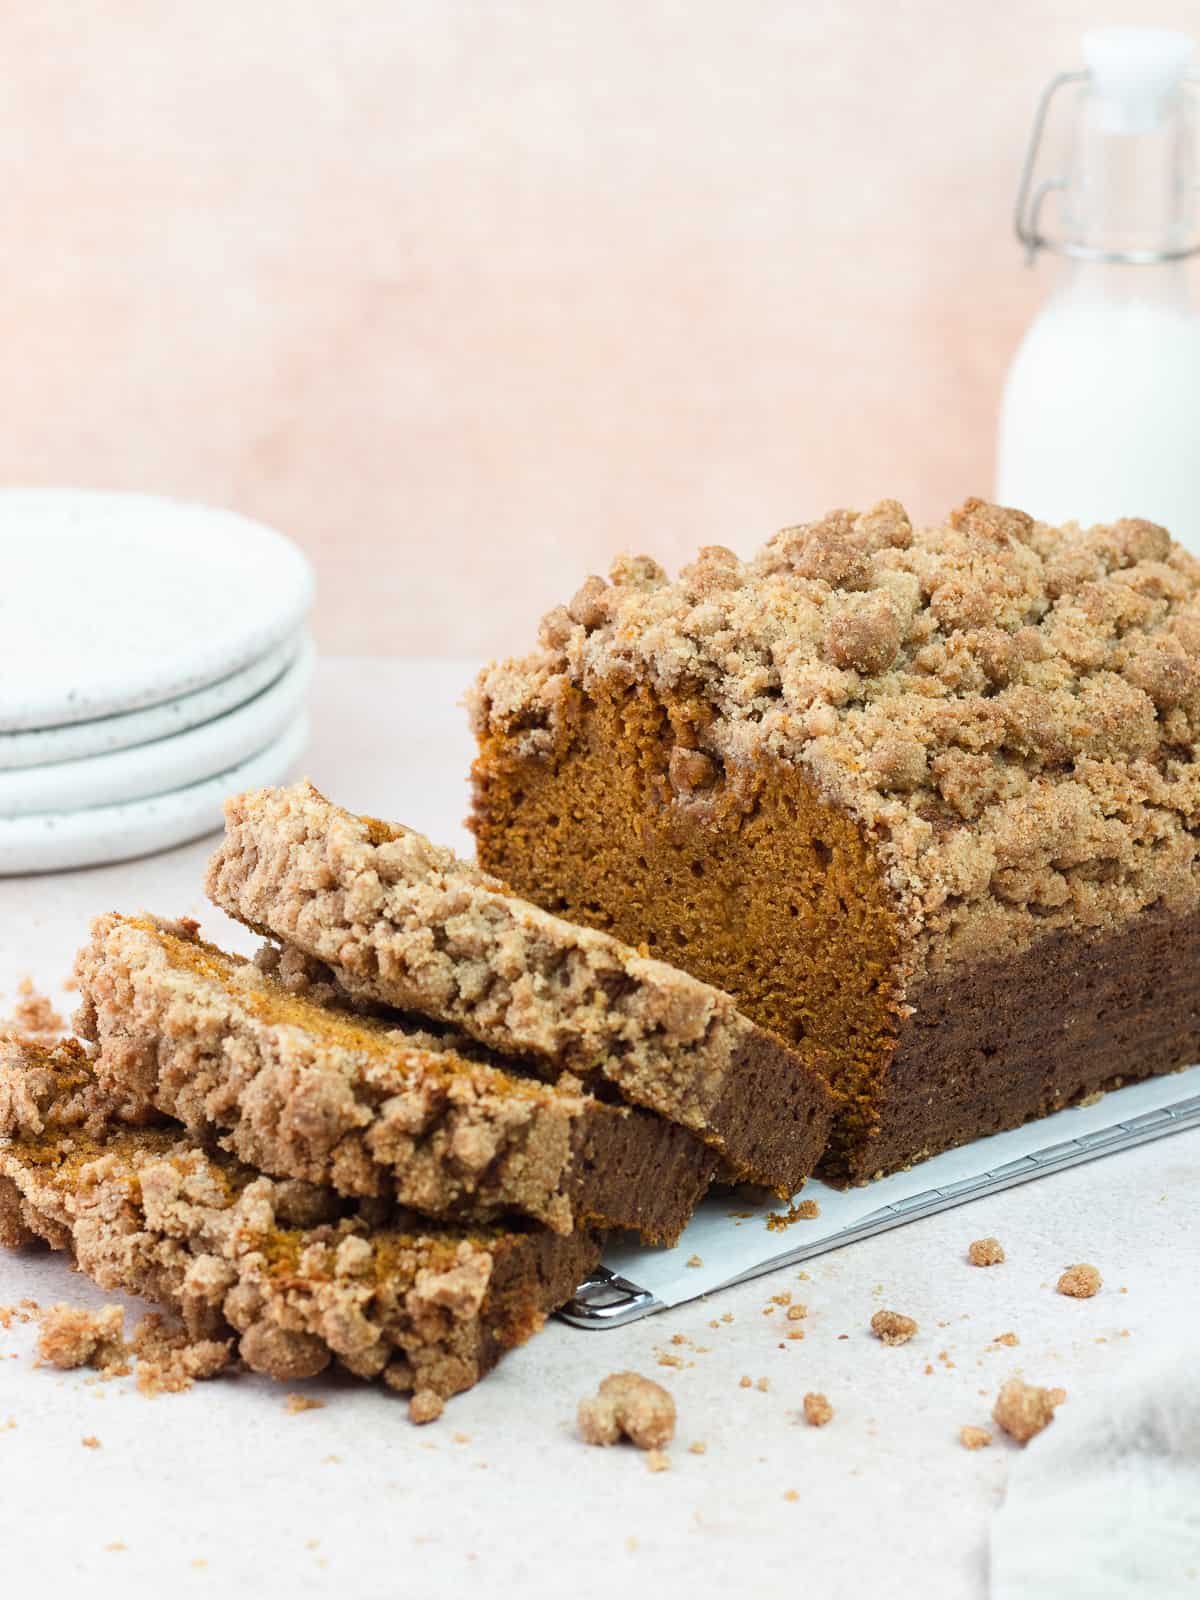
{"x": 1135, "y": 75}
{"x": 1128, "y": 193}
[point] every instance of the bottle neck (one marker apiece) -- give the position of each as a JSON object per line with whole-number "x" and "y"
{"x": 1166, "y": 284}
{"x": 1132, "y": 189}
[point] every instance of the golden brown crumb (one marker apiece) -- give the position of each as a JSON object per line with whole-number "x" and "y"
{"x": 117, "y": 1544}
{"x": 627, "y": 1403}
{"x": 90, "y": 1441}
{"x": 1006, "y": 1338}
{"x": 796, "y": 1333}
{"x": 657, "y": 1461}
{"x": 892, "y": 1327}
{"x": 763, "y": 1385}
{"x": 974, "y": 1438}
{"x": 694, "y": 1261}
{"x": 790, "y": 1494}
{"x": 425, "y": 1406}
{"x": 797, "y": 1312}
{"x": 296, "y": 1403}
{"x": 985, "y": 1252}
{"x": 727, "y": 1316}
{"x": 802, "y": 1211}
{"x": 1023, "y": 1410}
{"x": 170, "y": 1360}
{"x": 698, "y": 1447}
{"x": 744, "y": 1382}
{"x": 817, "y": 1410}
{"x": 1081, "y": 1282}
{"x": 665, "y": 1360}
{"x": 72, "y": 1336}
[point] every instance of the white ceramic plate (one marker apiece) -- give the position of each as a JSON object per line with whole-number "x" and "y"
{"x": 167, "y": 764}
{"x": 73, "y": 741}
{"x": 52, "y": 841}
{"x": 111, "y": 602}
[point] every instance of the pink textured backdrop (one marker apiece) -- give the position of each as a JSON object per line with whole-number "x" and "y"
{"x": 467, "y": 297}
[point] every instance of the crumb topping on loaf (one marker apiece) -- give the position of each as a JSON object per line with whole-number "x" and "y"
{"x": 1009, "y": 709}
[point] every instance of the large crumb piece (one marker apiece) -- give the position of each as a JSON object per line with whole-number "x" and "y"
{"x": 817, "y": 1410}
{"x": 626, "y": 1403}
{"x": 72, "y": 1336}
{"x": 1023, "y": 1410}
{"x": 892, "y": 1327}
{"x": 985, "y": 1252}
{"x": 1081, "y": 1281}
{"x": 170, "y": 1360}
{"x": 974, "y": 1438}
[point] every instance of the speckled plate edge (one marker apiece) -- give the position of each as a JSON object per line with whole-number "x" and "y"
{"x": 76, "y": 741}
{"x": 56, "y": 841}
{"x": 170, "y": 764}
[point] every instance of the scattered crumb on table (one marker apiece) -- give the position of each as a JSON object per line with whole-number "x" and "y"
{"x": 985, "y": 1252}
{"x": 1023, "y": 1409}
{"x": 627, "y": 1403}
{"x": 73, "y": 1336}
{"x": 892, "y": 1327}
{"x": 974, "y": 1438}
{"x": 657, "y": 1461}
{"x": 296, "y": 1403}
{"x": 817, "y": 1410}
{"x": 1081, "y": 1281}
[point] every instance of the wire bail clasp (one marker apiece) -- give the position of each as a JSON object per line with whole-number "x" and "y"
{"x": 1030, "y": 199}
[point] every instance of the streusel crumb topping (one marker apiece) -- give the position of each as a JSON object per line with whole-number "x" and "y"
{"x": 1010, "y": 709}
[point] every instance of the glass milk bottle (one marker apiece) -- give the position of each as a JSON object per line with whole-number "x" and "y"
{"x": 1101, "y": 410}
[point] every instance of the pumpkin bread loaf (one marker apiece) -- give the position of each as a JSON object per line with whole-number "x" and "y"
{"x": 924, "y": 801}
{"x": 368, "y": 1105}
{"x": 293, "y": 1276}
{"x": 404, "y": 923}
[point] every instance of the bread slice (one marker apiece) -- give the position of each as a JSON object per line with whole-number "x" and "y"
{"x": 368, "y": 1105}
{"x": 300, "y": 1278}
{"x": 403, "y": 922}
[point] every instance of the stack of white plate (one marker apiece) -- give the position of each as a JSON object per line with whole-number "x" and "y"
{"x": 153, "y": 659}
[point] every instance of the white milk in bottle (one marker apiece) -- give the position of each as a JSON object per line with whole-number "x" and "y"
{"x": 1101, "y": 410}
